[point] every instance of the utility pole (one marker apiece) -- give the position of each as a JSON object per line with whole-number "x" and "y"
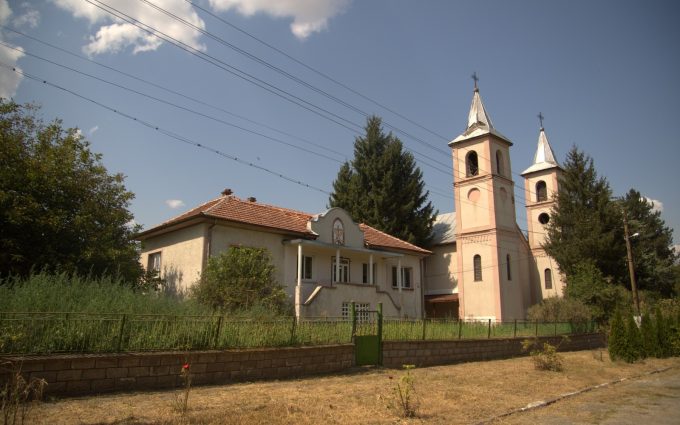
{"x": 631, "y": 270}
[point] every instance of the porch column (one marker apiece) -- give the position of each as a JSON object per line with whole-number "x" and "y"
{"x": 337, "y": 265}
{"x": 399, "y": 280}
{"x": 370, "y": 269}
{"x": 298, "y": 286}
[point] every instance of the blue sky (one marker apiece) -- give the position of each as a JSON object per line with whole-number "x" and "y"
{"x": 604, "y": 74}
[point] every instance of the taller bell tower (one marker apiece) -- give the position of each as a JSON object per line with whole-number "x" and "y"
{"x": 486, "y": 230}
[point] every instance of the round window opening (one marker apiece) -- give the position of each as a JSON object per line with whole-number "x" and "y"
{"x": 543, "y": 218}
{"x": 473, "y": 195}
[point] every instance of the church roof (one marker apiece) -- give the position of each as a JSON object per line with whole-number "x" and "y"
{"x": 444, "y": 229}
{"x": 479, "y": 122}
{"x": 544, "y": 159}
{"x": 230, "y": 208}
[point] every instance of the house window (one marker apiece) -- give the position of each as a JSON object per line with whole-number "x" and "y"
{"x": 507, "y": 266}
{"x": 307, "y": 263}
{"x": 499, "y": 163}
{"x": 406, "y": 274}
{"x": 477, "y": 264}
{"x": 541, "y": 191}
{"x": 362, "y": 311}
{"x": 154, "y": 263}
{"x": 364, "y": 273}
{"x": 471, "y": 164}
{"x": 344, "y": 270}
{"x": 548, "y": 279}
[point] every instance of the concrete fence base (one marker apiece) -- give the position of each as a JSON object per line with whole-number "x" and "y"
{"x": 81, "y": 374}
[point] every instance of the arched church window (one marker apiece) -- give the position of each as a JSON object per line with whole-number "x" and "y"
{"x": 541, "y": 191}
{"x": 477, "y": 262}
{"x": 507, "y": 266}
{"x": 499, "y": 163}
{"x": 471, "y": 164}
{"x": 548, "y": 279}
{"x": 543, "y": 218}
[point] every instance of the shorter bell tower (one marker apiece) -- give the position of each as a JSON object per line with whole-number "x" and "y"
{"x": 541, "y": 183}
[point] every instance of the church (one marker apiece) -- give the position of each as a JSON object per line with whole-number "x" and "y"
{"x": 483, "y": 266}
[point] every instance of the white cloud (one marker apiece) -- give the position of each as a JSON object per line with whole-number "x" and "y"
{"x": 30, "y": 17}
{"x": 309, "y": 16}
{"x": 657, "y": 206}
{"x": 114, "y": 34}
{"x": 93, "y": 130}
{"x": 9, "y": 81}
{"x": 174, "y": 203}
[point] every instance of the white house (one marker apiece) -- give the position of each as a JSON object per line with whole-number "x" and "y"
{"x": 324, "y": 261}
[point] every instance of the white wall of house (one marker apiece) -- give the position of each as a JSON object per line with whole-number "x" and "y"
{"x": 440, "y": 270}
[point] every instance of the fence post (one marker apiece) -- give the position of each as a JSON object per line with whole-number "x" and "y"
{"x": 218, "y": 329}
{"x": 488, "y": 336}
{"x": 353, "y": 311}
{"x": 536, "y": 327}
{"x": 120, "y": 333}
{"x": 514, "y": 332}
{"x": 380, "y": 329}
{"x": 460, "y": 328}
{"x": 424, "y": 325}
{"x": 555, "y": 327}
{"x": 292, "y": 330}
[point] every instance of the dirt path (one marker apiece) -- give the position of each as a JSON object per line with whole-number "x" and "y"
{"x": 458, "y": 394}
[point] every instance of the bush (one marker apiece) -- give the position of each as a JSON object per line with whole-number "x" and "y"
{"x": 545, "y": 356}
{"x": 634, "y": 347}
{"x": 649, "y": 338}
{"x": 588, "y": 285}
{"x": 241, "y": 278}
{"x": 617, "y": 337}
{"x": 558, "y": 309}
{"x": 663, "y": 336}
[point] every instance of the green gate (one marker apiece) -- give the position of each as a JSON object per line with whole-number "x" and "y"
{"x": 367, "y": 335}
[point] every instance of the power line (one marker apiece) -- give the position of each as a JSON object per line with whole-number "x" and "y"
{"x": 166, "y": 132}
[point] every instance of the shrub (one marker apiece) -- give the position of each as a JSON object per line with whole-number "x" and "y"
{"x": 17, "y": 394}
{"x": 545, "y": 356}
{"x": 634, "y": 347}
{"x": 648, "y": 333}
{"x": 558, "y": 309}
{"x": 663, "y": 336}
{"x": 617, "y": 337}
{"x": 241, "y": 278}
{"x": 405, "y": 394}
{"x": 588, "y": 285}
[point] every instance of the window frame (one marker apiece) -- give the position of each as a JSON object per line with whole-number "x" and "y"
{"x": 469, "y": 170}
{"x": 406, "y": 278}
{"x": 541, "y": 191}
{"x": 364, "y": 273}
{"x": 547, "y": 278}
{"x": 151, "y": 261}
{"x": 477, "y": 268}
{"x": 344, "y": 269}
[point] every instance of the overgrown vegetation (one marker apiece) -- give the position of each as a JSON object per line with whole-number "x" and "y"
{"x": 404, "y": 398}
{"x": 241, "y": 278}
{"x": 17, "y": 395}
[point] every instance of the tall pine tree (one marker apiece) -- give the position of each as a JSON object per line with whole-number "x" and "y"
{"x": 586, "y": 225}
{"x": 383, "y": 187}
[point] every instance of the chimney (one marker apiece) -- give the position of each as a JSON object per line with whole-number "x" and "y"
{"x": 252, "y": 199}
{"x": 227, "y": 192}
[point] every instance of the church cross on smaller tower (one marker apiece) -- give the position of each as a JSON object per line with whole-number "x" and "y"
{"x": 540, "y": 119}
{"x": 475, "y": 78}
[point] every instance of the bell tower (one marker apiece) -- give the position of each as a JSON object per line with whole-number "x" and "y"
{"x": 541, "y": 183}
{"x": 486, "y": 229}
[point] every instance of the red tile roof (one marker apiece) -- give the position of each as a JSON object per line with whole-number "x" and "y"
{"x": 231, "y": 208}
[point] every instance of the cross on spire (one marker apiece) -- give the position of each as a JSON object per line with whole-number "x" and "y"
{"x": 475, "y": 78}
{"x": 540, "y": 119}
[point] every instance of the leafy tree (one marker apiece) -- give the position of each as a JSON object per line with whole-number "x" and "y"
{"x": 383, "y": 187}
{"x": 586, "y": 225}
{"x": 59, "y": 206}
{"x": 587, "y": 284}
{"x": 653, "y": 254}
{"x": 241, "y": 278}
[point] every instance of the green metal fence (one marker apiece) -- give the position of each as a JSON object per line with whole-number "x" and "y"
{"x": 43, "y": 333}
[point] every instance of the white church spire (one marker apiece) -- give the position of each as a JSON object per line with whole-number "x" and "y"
{"x": 479, "y": 122}
{"x": 544, "y": 158}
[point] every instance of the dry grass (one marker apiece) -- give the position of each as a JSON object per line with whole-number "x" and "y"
{"x": 465, "y": 393}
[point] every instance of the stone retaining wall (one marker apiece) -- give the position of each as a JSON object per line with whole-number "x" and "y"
{"x": 429, "y": 353}
{"x": 80, "y": 374}
{"x": 77, "y": 374}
